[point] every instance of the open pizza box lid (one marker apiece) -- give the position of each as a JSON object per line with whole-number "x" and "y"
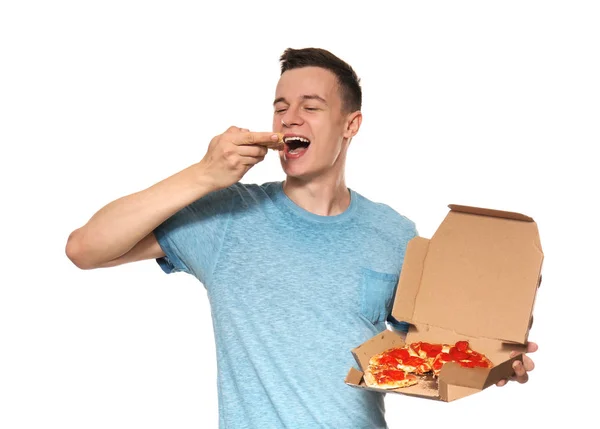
{"x": 476, "y": 279}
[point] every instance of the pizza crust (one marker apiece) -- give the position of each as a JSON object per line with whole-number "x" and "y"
{"x": 278, "y": 145}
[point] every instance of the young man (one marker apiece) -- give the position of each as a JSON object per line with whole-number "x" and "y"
{"x": 297, "y": 273}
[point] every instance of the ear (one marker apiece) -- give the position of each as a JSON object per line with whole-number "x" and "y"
{"x": 353, "y": 122}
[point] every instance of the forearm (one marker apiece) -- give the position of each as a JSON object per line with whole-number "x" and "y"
{"x": 121, "y": 224}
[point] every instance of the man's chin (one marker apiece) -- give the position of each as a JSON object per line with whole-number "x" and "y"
{"x": 299, "y": 176}
{"x": 299, "y": 171}
{"x": 293, "y": 173}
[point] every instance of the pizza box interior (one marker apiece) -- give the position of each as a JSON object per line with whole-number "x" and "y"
{"x": 476, "y": 279}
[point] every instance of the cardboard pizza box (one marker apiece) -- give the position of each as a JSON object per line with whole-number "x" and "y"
{"x": 476, "y": 279}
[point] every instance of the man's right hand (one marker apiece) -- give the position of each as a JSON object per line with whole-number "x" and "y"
{"x": 230, "y": 155}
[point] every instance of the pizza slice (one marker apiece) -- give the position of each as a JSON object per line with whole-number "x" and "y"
{"x": 383, "y": 377}
{"x": 439, "y": 362}
{"x": 462, "y": 354}
{"x": 386, "y": 358}
{"x": 401, "y": 358}
{"x": 278, "y": 145}
{"x": 428, "y": 351}
{"x": 415, "y": 365}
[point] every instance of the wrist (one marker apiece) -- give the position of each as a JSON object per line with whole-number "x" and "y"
{"x": 202, "y": 179}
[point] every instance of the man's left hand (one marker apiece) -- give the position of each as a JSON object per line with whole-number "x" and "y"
{"x": 521, "y": 368}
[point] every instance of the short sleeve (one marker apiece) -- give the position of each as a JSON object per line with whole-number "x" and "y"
{"x": 192, "y": 238}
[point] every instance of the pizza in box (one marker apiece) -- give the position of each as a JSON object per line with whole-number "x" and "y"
{"x": 402, "y": 366}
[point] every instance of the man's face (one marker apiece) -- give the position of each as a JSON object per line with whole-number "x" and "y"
{"x": 308, "y": 102}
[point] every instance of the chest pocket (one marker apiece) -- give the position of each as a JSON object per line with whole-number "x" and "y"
{"x": 377, "y": 293}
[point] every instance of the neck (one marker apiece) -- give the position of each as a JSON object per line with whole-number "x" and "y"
{"x": 325, "y": 196}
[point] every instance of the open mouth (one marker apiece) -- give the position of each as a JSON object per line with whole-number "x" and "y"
{"x": 295, "y": 145}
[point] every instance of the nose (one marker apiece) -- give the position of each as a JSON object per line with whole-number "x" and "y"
{"x": 290, "y": 118}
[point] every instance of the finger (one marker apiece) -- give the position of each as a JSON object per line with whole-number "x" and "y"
{"x": 501, "y": 382}
{"x": 520, "y": 373}
{"x": 251, "y": 160}
{"x": 528, "y": 363}
{"x": 233, "y": 129}
{"x": 260, "y": 138}
{"x": 254, "y": 151}
{"x": 532, "y": 347}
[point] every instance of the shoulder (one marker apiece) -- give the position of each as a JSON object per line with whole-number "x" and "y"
{"x": 253, "y": 193}
{"x": 243, "y": 198}
{"x": 385, "y": 217}
{"x": 238, "y": 191}
{"x": 255, "y": 188}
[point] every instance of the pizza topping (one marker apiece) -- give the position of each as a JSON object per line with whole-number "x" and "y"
{"x": 399, "y": 353}
{"x": 432, "y": 350}
{"x": 457, "y": 354}
{"x": 476, "y": 357}
{"x": 390, "y": 374}
{"x": 462, "y": 345}
{"x": 388, "y": 360}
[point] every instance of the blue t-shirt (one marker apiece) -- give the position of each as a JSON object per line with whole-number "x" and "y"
{"x": 291, "y": 294}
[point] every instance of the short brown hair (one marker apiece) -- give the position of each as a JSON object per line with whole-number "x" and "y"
{"x": 349, "y": 83}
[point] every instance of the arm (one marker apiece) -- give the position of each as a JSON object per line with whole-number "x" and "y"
{"x": 121, "y": 231}
{"x": 126, "y": 224}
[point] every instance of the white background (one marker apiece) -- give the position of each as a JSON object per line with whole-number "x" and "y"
{"x": 493, "y": 104}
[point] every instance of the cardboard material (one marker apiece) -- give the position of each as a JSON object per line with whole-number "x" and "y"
{"x": 476, "y": 279}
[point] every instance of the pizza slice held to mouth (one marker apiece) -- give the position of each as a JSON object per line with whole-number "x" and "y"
{"x": 275, "y": 145}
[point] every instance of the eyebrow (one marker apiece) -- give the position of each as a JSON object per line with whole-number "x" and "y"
{"x": 304, "y": 97}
